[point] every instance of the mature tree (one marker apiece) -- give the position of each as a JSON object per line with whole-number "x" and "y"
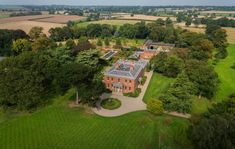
{"x": 99, "y": 42}
{"x": 169, "y": 66}
{"x": 79, "y": 32}
{"x": 187, "y": 39}
{"x": 61, "y": 54}
{"x": 106, "y": 42}
{"x": 89, "y": 58}
{"x": 188, "y": 21}
{"x": 128, "y": 31}
{"x": 35, "y": 32}
{"x": 203, "y": 76}
{"x": 70, "y": 44}
{"x": 196, "y": 22}
{"x": 6, "y": 39}
{"x": 43, "y": 43}
{"x": 107, "y": 30}
{"x": 173, "y": 66}
{"x": 178, "y": 96}
{"x": 61, "y": 34}
{"x": 160, "y": 22}
{"x": 201, "y": 49}
{"x": 26, "y": 80}
{"x": 157, "y": 33}
{"x": 168, "y": 21}
{"x": 21, "y": 45}
{"x": 216, "y": 129}
{"x": 118, "y": 43}
{"x": 83, "y": 44}
{"x": 158, "y": 62}
{"x": 142, "y": 30}
{"x": 94, "y": 30}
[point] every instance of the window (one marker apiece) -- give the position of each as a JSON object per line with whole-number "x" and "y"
{"x": 125, "y": 80}
{"x": 125, "y": 87}
{"x": 130, "y": 81}
{"x": 129, "y": 88}
{"x": 118, "y": 80}
{"x": 112, "y": 79}
{"x": 107, "y": 78}
{"x": 108, "y": 85}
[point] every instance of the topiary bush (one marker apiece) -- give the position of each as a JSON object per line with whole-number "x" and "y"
{"x": 155, "y": 107}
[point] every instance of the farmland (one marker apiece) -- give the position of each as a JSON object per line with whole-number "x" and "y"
{"x": 27, "y": 22}
{"x": 142, "y": 17}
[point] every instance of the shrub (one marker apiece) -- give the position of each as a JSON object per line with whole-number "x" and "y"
{"x": 136, "y": 93}
{"x": 143, "y": 80}
{"x": 155, "y": 107}
{"x": 111, "y": 103}
{"x": 233, "y": 67}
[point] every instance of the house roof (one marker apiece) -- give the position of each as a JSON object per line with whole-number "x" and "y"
{"x": 126, "y": 69}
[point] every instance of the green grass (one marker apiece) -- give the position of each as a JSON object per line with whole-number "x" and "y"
{"x": 226, "y": 75}
{"x": 58, "y": 126}
{"x": 158, "y": 84}
{"x": 200, "y": 106}
{"x": 4, "y": 16}
{"x": 111, "y": 103}
{"x": 110, "y": 22}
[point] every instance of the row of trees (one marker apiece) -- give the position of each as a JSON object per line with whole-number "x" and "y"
{"x": 160, "y": 30}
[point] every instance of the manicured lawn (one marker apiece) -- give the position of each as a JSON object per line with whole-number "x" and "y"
{"x": 158, "y": 84}
{"x": 111, "y": 103}
{"x": 58, "y": 126}
{"x": 226, "y": 75}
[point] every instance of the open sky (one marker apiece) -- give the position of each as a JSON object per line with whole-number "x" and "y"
{"x": 120, "y": 2}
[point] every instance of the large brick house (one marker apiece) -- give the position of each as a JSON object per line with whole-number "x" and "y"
{"x": 124, "y": 76}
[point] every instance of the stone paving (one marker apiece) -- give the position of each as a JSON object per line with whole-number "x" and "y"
{"x": 129, "y": 104}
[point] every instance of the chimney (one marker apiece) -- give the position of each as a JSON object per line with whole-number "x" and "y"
{"x": 132, "y": 65}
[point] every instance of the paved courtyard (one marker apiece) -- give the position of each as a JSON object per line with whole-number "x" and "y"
{"x": 129, "y": 104}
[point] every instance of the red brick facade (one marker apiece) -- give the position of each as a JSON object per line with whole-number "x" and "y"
{"x": 128, "y": 85}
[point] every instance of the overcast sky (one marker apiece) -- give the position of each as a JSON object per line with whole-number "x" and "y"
{"x": 120, "y": 2}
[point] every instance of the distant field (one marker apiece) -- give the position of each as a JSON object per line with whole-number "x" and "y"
{"x": 27, "y": 25}
{"x": 110, "y": 22}
{"x": 42, "y": 18}
{"x": 226, "y": 75}
{"x": 144, "y": 17}
{"x": 219, "y": 12}
{"x": 58, "y": 126}
{"x": 27, "y": 22}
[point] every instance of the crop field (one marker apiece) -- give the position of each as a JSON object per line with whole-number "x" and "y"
{"x": 27, "y": 22}
{"x": 59, "y": 126}
{"x": 27, "y": 25}
{"x": 143, "y": 17}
